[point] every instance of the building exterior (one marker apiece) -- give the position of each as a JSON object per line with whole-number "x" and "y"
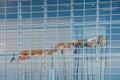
{"x": 54, "y": 36}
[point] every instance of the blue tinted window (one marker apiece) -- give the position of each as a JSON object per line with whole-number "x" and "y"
{"x": 104, "y": 0}
{"x": 115, "y": 30}
{"x": 38, "y": 8}
{"x": 12, "y": 3}
{"x": 37, "y": 2}
{"x": 116, "y": 4}
{"x": 104, "y": 11}
{"x": 65, "y": 13}
{"x": 104, "y": 5}
{"x": 90, "y": 18}
{"x": 2, "y": 4}
{"x": 104, "y": 18}
{"x": 26, "y": 15}
{"x": 78, "y": 13}
{"x": 90, "y": 0}
{"x": 90, "y": 12}
{"x": 64, "y": 7}
{"x": 51, "y": 2}
{"x": 52, "y": 8}
{"x": 37, "y": 15}
{"x": 2, "y": 10}
{"x": 78, "y": 19}
{"x": 78, "y": 6}
{"x": 64, "y": 1}
{"x": 116, "y": 11}
{"x": 76, "y": 1}
{"x": 90, "y": 6}
{"x": 25, "y": 9}
{"x": 51, "y": 14}
{"x": 115, "y": 17}
{"x": 2, "y": 16}
{"x": 11, "y": 10}
{"x": 12, "y": 16}
{"x": 25, "y": 3}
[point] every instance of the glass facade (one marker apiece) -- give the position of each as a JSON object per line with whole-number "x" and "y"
{"x": 27, "y": 26}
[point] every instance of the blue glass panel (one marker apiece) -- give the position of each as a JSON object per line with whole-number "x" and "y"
{"x": 64, "y": 7}
{"x": 12, "y": 16}
{"x": 64, "y": 1}
{"x": 104, "y": 0}
{"x": 115, "y": 50}
{"x": 38, "y": 8}
{"x": 116, "y": 11}
{"x": 116, "y": 4}
{"x": 52, "y": 8}
{"x": 90, "y": 6}
{"x": 104, "y": 5}
{"x": 90, "y": 0}
{"x": 2, "y": 16}
{"x": 104, "y": 11}
{"x": 25, "y": 9}
{"x": 38, "y": 2}
{"x": 2, "y": 10}
{"x": 11, "y": 10}
{"x": 115, "y": 37}
{"x": 77, "y": 1}
{"x": 51, "y": 14}
{"x": 78, "y": 19}
{"x": 115, "y": 30}
{"x": 90, "y": 12}
{"x": 2, "y": 4}
{"x": 25, "y": 3}
{"x": 78, "y": 13}
{"x": 115, "y": 17}
{"x": 116, "y": 25}
{"x": 78, "y": 6}
{"x": 51, "y": 2}
{"x": 104, "y": 18}
{"x": 65, "y": 13}
{"x": 90, "y": 18}
{"x": 37, "y": 15}
{"x": 26, "y": 15}
{"x": 12, "y": 3}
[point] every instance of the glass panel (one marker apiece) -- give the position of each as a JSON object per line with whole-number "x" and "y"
{"x": 64, "y": 20}
{"x": 38, "y": 8}
{"x": 90, "y": 0}
{"x": 104, "y": 11}
{"x": 64, "y": 1}
{"x": 37, "y": 2}
{"x": 104, "y": 5}
{"x": 115, "y": 37}
{"x": 115, "y": 50}
{"x": 115, "y": 30}
{"x": 26, "y": 15}
{"x": 116, "y": 4}
{"x": 12, "y": 3}
{"x": 25, "y": 3}
{"x": 64, "y": 7}
{"x": 77, "y": 6}
{"x": 51, "y": 2}
{"x": 90, "y": 18}
{"x": 116, "y": 25}
{"x": 90, "y": 6}
{"x": 90, "y": 12}
{"x": 2, "y": 10}
{"x": 51, "y": 14}
{"x": 78, "y": 19}
{"x": 77, "y": 1}
{"x": 2, "y": 16}
{"x": 104, "y": 18}
{"x": 2, "y": 4}
{"x": 12, "y": 16}
{"x": 104, "y": 0}
{"x": 65, "y": 13}
{"x": 52, "y": 8}
{"x": 78, "y": 13}
{"x": 37, "y": 15}
{"x": 115, "y": 17}
{"x": 11, "y": 10}
{"x": 116, "y": 11}
{"x": 25, "y": 9}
